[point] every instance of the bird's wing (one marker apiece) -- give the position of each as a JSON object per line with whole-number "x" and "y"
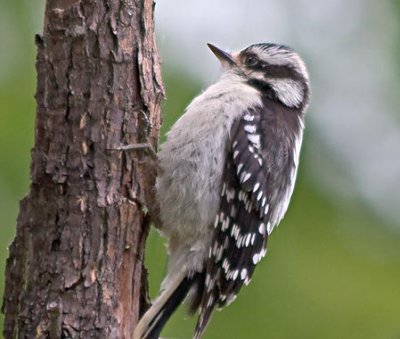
{"x": 253, "y": 167}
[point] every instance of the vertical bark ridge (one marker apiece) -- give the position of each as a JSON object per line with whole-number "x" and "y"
{"x": 76, "y": 264}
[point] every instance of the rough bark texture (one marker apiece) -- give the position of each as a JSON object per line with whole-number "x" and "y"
{"x": 76, "y": 265}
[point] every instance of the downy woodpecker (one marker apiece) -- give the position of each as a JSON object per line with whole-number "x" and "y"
{"x": 227, "y": 172}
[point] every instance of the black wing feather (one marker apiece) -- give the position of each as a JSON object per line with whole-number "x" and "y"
{"x": 259, "y": 160}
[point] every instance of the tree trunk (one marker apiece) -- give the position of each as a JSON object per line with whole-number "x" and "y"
{"x": 75, "y": 267}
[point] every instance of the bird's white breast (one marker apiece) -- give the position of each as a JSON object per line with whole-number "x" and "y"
{"x": 192, "y": 159}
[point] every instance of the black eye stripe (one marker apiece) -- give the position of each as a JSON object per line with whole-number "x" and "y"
{"x": 280, "y": 71}
{"x": 253, "y": 62}
{"x": 284, "y": 71}
{"x": 277, "y": 69}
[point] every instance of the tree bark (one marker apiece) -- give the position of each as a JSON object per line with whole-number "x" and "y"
{"x": 75, "y": 267}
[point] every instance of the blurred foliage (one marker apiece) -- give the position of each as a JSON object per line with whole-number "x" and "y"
{"x": 330, "y": 271}
{"x": 396, "y": 57}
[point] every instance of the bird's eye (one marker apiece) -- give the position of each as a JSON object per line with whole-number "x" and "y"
{"x": 251, "y": 61}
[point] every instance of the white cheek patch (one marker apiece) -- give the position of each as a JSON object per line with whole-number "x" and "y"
{"x": 288, "y": 91}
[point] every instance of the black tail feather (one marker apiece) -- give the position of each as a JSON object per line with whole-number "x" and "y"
{"x": 198, "y": 283}
{"x": 206, "y": 311}
{"x": 170, "y": 306}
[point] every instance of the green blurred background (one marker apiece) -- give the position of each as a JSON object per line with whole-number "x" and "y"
{"x": 333, "y": 266}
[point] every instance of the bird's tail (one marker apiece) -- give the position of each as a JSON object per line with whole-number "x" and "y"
{"x": 153, "y": 321}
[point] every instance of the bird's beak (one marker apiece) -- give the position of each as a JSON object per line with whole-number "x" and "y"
{"x": 224, "y": 57}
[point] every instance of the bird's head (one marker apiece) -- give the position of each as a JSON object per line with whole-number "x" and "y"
{"x": 273, "y": 69}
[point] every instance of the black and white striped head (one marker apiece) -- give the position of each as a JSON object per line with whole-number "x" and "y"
{"x": 272, "y": 68}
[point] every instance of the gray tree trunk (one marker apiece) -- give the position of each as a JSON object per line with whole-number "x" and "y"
{"x": 75, "y": 267}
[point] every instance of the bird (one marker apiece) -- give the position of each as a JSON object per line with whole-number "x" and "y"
{"x": 226, "y": 175}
